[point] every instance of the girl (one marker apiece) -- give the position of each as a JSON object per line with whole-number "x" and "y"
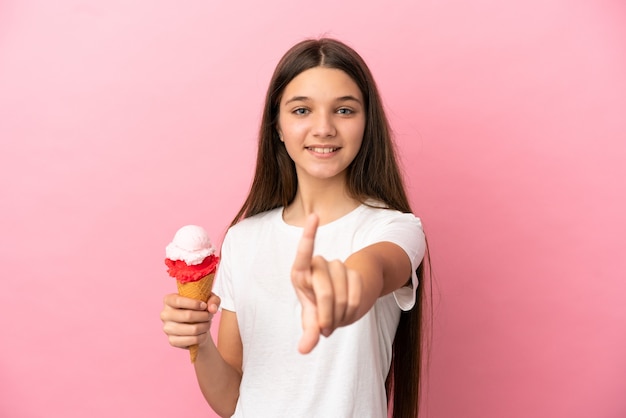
{"x": 319, "y": 270}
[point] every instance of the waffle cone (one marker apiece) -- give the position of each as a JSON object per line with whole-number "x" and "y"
{"x": 199, "y": 290}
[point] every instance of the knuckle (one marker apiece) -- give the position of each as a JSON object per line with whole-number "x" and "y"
{"x": 324, "y": 295}
{"x": 176, "y": 342}
{"x": 168, "y": 300}
{"x": 167, "y": 329}
{"x": 341, "y": 303}
{"x": 325, "y": 319}
{"x": 352, "y": 304}
{"x": 337, "y": 266}
{"x": 187, "y": 315}
{"x": 318, "y": 260}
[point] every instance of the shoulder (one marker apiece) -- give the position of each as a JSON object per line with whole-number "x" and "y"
{"x": 379, "y": 214}
{"x": 380, "y": 223}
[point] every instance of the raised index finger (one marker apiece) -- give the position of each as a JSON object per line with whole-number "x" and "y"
{"x": 304, "y": 253}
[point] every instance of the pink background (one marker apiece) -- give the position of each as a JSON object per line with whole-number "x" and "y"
{"x": 121, "y": 121}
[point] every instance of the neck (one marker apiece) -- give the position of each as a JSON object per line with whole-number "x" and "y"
{"x": 328, "y": 199}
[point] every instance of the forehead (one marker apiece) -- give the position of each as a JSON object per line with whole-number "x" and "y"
{"x": 322, "y": 83}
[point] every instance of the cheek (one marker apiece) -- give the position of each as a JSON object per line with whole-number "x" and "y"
{"x": 293, "y": 128}
{"x": 357, "y": 133}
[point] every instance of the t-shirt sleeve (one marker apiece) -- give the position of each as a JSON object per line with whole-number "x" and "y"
{"x": 223, "y": 286}
{"x": 404, "y": 230}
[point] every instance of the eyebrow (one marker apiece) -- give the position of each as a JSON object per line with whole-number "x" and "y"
{"x": 307, "y": 99}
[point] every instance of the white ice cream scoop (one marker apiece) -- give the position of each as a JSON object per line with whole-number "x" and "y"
{"x": 191, "y": 244}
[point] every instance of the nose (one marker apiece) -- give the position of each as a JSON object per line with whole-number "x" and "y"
{"x": 323, "y": 125}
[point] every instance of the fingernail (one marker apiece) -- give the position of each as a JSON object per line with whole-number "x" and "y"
{"x": 203, "y": 306}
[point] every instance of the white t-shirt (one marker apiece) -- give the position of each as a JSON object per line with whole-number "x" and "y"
{"x": 344, "y": 376}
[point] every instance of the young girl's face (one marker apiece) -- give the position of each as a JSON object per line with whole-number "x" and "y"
{"x": 321, "y": 121}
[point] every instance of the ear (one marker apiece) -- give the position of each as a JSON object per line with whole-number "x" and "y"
{"x": 280, "y": 135}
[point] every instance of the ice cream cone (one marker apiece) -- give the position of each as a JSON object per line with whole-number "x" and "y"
{"x": 191, "y": 260}
{"x": 199, "y": 290}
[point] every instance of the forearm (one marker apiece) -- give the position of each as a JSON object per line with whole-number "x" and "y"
{"x": 383, "y": 268}
{"x": 218, "y": 380}
{"x": 334, "y": 293}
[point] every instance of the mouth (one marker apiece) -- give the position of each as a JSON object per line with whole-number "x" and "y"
{"x": 323, "y": 150}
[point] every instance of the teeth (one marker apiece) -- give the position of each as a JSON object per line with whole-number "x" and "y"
{"x": 324, "y": 150}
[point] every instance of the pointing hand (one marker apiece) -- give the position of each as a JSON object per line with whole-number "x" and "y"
{"x": 329, "y": 292}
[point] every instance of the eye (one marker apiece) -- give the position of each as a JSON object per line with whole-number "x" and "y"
{"x": 300, "y": 111}
{"x": 345, "y": 111}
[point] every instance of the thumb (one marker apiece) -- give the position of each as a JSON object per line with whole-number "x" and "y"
{"x": 310, "y": 328}
{"x": 213, "y": 303}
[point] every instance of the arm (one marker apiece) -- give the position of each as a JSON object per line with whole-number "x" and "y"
{"x": 335, "y": 294}
{"x": 218, "y": 368}
{"x": 383, "y": 268}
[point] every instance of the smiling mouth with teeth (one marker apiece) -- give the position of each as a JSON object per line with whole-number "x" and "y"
{"x": 322, "y": 150}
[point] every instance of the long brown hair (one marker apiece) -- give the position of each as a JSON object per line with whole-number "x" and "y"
{"x": 374, "y": 174}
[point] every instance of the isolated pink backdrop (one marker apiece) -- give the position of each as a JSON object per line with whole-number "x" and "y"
{"x": 121, "y": 121}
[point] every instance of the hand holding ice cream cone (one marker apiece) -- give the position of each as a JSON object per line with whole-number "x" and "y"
{"x": 191, "y": 259}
